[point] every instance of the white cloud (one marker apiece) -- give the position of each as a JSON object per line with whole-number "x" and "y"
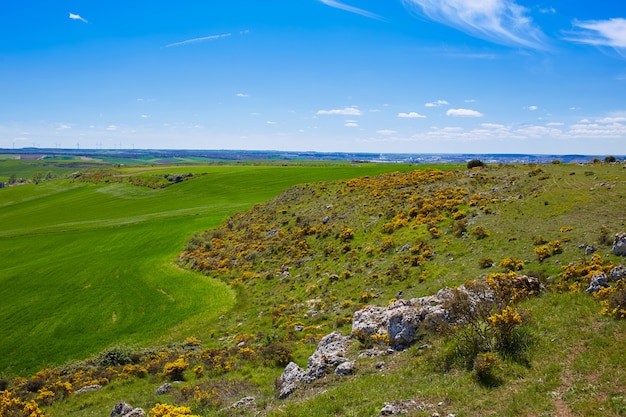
{"x": 351, "y": 123}
{"x": 77, "y": 17}
{"x": 610, "y": 32}
{"x": 386, "y": 132}
{"x": 463, "y": 113}
{"x": 555, "y": 124}
{"x": 492, "y": 126}
{"x": 269, "y": 122}
{"x": 145, "y": 116}
{"x": 437, "y": 103}
{"x": 347, "y": 111}
{"x": 111, "y": 128}
{"x": 351, "y": 9}
{"x": 242, "y": 95}
{"x": 532, "y": 108}
{"x": 618, "y": 119}
{"x": 500, "y": 21}
{"x": 411, "y": 115}
{"x": 202, "y": 39}
{"x": 64, "y": 126}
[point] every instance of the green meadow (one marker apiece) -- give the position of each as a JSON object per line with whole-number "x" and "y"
{"x": 89, "y": 266}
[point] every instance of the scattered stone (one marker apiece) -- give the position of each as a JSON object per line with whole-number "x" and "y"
{"x": 123, "y": 409}
{"x": 88, "y": 388}
{"x": 598, "y": 281}
{"x": 298, "y": 328}
{"x": 379, "y": 365}
{"x": 345, "y": 369}
{"x": 245, "y": 402}
{"x": 400, "y": 407}
{"x": 619, "y": 245}
{"x": 589, "y": 250}
{"x": 164, "y": 389}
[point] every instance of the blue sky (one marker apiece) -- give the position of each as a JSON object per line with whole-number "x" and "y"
{"x": 415, "y": 76}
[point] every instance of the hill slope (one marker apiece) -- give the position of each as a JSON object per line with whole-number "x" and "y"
{"x": 303, "y": 263}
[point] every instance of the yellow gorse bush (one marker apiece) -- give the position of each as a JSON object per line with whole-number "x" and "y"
{"x": 166, "y": 410}
{"x": 13, "y": 406}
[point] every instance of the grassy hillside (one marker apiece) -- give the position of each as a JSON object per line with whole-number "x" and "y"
{"x": 302, "y": 263}
{"x": 90, "y": 265}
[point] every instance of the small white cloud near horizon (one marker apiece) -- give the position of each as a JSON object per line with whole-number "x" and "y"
{"x": 532, "y": 108}
{"x": 386, "y": 132}
{"x": 499, "y": 21}
{"x": 74, "y": 16}
{"x": 351, "y": 9}
{"x": 63, "y": 126}
{"x": 196, "y": 40}
{"x": 436, "y": 103}
{"x": 111, "y": 128}
{"x": 411, "y": 115}
{"x": 145, "y": 116}
{"x": 346, "y": 111}
{"x": 463, "y": 113}
{"x": 351, "y": 123}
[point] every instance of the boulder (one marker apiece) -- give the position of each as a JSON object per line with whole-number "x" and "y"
{"x": 598, "y": 281}
{"x": 345, "y": 369}
{"x": 121, "y": 408}
{"x": 618, "y": 272}
{"x": 164, "y": 389}
{"x": 619, "y": 244}
{"x": 288, "y": 381}
{"x": 329, "y": 354}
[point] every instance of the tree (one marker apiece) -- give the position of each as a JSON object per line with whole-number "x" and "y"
{"x": 475, "y": 163}
{"x": 12, "y": 178}
{"x": 37, "y": 177}
{"x": 609, "y": 159}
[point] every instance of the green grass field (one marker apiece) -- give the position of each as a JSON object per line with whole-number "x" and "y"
{"x": 88, "y": 266}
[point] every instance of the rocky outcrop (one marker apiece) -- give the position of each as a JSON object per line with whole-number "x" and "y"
{"x": 619, "y": 244}
{"x": 398, "y": 325}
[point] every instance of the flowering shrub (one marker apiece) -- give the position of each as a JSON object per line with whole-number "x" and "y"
{"x": 613, "y": 300}
{"x": 542, "y": 252}
{"x": 174, "y": 370}
{"x": 12, "y": 406}
{"x": 166, "y": 410}
{"x": 512, "y": 264}
{"x": 485, "y": 366}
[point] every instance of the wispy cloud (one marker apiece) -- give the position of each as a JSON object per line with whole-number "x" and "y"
{"x": 610, "y": 33}
{"x": 463, "y": 113}
{"x": 242, "y": 95}
{"x": 500, "y": 21}
{"x": 411, "y": 115}
{"x": 351, "y": 9}
{"x": 202, "y": 39}
{"x": 437, "y": 103}
{"x": 347, "y": 111}
{"x": 386, "y": 132}
{"x": 77, "y": 17}
{"x": 351, "y": 123}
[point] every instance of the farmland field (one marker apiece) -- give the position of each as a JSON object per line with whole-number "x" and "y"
{"x": 88, "y": 266}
